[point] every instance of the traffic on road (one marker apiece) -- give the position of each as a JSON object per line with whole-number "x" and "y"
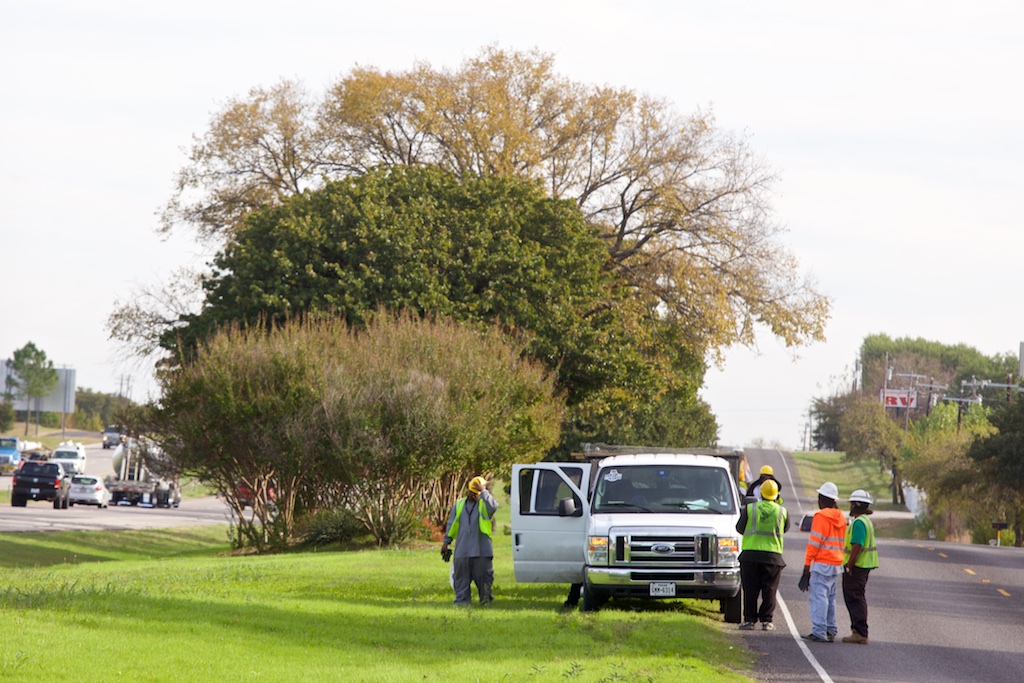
{"x": 63, "y": 508}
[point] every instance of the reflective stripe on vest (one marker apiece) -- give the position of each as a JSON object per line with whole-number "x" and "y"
{"x": 484, "y": 517}
{"x": 765, "y": 521}
{"x": 868, "y": 558}
{"x": 826, "y": 549}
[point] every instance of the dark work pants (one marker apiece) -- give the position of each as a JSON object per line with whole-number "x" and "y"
{"x": 479, "y": 570}
{"x": 855, "y": 586}
{"x": 759, "y": 580}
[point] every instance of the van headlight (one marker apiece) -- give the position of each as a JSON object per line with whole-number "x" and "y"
{"x": 728, "y": 551}
{"x": 597, "y": 550}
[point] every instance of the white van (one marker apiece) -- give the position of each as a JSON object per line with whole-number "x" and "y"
{"x": 71, "y": 455}
{"x": 645, "y": 525}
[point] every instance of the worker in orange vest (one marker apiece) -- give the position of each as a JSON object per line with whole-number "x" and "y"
{"x": 823, "y": 563}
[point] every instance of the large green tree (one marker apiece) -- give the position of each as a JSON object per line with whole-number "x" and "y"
{"x": 1001, "y": 459}
{"x": 682, "y": 207}
{"x": 480, "y": 249}
{"x": 867, "y": 433}
{"x": 33, "y": 376}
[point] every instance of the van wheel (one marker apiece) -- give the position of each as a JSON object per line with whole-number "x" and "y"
{"x": 593, "y": 600}
{"x": 733, "y": 609}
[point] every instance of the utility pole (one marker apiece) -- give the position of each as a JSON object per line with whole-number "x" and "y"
{"x": 929, "y": 387}
{"x": 913, "y": 379}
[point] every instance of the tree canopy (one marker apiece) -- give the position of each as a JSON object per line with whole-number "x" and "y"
{"x": 487, "y": 250}
{"x": 33, "y": 376}
{"x": 683, "y": 208}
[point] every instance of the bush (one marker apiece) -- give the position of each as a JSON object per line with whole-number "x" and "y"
{"x": 332, "y": 526}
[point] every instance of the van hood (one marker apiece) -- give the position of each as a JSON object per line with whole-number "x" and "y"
{"x": 686, "y": 523}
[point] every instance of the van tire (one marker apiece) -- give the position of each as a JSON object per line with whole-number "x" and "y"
{"x": 593, "y": 600}
{"x": 733, "y": 609}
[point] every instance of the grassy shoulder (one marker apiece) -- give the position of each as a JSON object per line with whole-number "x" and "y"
{"x": 816, "y": 467}
{"x": 199, "y": 614}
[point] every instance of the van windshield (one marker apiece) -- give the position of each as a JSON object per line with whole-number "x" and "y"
{"x": 9, "y": 443}
{"x": 660, "y": 488}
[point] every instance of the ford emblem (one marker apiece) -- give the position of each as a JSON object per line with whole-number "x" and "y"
{"x": 662, "y": 548}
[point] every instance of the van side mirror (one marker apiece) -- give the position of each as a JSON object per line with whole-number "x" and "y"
{"x": 747, "y": 500}
{"x": 567, "y": 508}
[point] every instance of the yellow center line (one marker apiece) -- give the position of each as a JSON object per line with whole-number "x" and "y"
{"x": 944, "y": 555}
{"x": 1003, "y": 592}
{"x": 985, "y": 581}
{"x": 968, "y": 571}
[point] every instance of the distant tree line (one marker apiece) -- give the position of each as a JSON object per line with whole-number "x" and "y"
{"x": 957, "y": 445}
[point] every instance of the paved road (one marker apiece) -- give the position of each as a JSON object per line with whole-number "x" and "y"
{"x": 40, "y": 516}
{"x": 938, "y": 611}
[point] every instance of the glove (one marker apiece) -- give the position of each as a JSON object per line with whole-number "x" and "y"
{"x": 805, "y": 582}
{"x": 446, "y": 553}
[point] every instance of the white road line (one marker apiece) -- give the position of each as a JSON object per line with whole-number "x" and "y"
{"x": 825, "y": 678}
{"x": 789, "y": 476}
{"x": 812, "y": 660}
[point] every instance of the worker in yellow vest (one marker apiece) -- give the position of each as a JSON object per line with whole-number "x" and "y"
{"x": 470, "y": 523}
{"x": 860, "y": 557}
{"x": 762, "y": 524}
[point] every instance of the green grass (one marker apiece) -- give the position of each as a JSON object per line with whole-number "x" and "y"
{"x": 171, "y": 605}
{"x": 815, "y": 468}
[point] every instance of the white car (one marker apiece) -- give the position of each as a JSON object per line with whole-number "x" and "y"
{"x": 87, "y": 489}
{"x": 71, "y": 456}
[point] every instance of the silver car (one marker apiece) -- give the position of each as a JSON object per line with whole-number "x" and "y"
{"x": 87, "y": 489}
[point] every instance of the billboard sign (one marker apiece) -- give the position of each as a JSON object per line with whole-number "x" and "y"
{"x": 899, "y": 398}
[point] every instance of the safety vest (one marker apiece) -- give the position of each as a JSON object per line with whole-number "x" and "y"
{"x": 765, "y": 522}
{"x": 484, "y": 516}
{"x": 868, "y": 558}
{"x": 824, "y": 548}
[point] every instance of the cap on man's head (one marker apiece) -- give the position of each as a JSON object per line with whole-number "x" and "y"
{"x": 477, "y": 484}
{"x": 767, "y": 469}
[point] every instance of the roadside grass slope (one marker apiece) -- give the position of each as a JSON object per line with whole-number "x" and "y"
{"x": 173, "y": 605}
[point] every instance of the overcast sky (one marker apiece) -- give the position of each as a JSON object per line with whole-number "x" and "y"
{"x": 895, "y": 129}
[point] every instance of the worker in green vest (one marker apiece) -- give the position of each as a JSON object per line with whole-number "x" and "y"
{"x": 762, "y": 524}
{"x": 470, "y": 525}
{"x": 860, "y": 557}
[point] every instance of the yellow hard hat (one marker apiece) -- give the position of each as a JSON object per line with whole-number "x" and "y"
{"x": 478, "y": 484}
{"x": 769, "y": 490}
{"x": 767, "y": 469}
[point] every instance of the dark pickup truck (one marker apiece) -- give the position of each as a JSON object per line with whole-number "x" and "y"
{"x": 41, "y": 481}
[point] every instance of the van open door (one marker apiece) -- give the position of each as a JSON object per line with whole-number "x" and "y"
{"x": 548, "y": 539}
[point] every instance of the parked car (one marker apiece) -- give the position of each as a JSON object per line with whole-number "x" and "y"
{"x": 87, "y": 489}
{"x": 247, "y": 497}
{"x": 111, "y": 437}
{"x": 40, "y": 480}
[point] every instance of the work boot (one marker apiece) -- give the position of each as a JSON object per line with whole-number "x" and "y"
{"x": 856, "y": 638}
{"x": 747, "y": 626}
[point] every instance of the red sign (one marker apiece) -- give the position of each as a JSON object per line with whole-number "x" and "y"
{"x": 899, "y": 398}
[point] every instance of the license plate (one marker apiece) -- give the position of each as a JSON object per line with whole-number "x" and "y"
{"x": 33, "y": 490}
{"x": 663, "y": 590}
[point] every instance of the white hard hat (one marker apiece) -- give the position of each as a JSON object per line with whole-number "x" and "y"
{"x": 861, "y": 496}
{"x": 829, "y": 490}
